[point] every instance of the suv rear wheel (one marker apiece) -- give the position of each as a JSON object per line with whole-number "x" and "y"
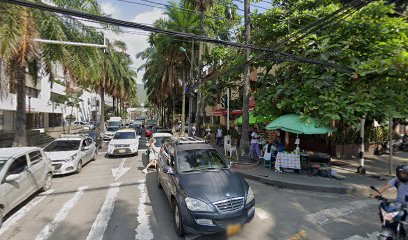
{"x": 158, "y": 178}
{"x": 178, "y": 221}
{"x": 47, "y": 182}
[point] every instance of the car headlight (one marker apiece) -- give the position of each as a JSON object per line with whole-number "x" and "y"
{"x": 196, "y": 205}
{"x": 250, "y": 195}
{"x": 72, "y": 158}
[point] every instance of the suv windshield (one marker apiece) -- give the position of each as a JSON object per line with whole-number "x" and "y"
{"x": 198, "y": 160}
{"x": 92, "y": 134}
{"x": 63, "y": 145}
{"x": 160, "y": 140}
{"x": 124, "y": 135}
{"x": 112, "y": 129}
{"x": 114, "y": 124}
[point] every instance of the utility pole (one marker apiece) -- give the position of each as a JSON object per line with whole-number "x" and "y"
{"x": 190, "y": 91}
{"x": 391, "y": 148}
{"x": 244, "y": 145}
{"x": 228, "y": 111}
{"x": 200, "y": 54}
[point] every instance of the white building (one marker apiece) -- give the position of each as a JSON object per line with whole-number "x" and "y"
{"x": 42, "y": 110}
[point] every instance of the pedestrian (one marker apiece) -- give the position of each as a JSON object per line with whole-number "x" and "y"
{"x": 269, "y": 151}
{"x": 219, "y": 136}
{"x": 153, "y": 155}
{"x": 193, "y": 130}
{"x": 280, "y": 144}
{"x": 255, "y": 144}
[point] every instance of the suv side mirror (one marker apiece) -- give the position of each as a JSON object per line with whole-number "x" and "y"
{"x": 13, "y": 177}
{"x": 168, "y": 170}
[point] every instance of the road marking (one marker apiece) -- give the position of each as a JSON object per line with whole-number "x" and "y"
{"x": 120, "y": 171}
{"x": 142, "y": 150}
{"x": 101, "y": 152}
{"x": 143, "y": 231}
{"x": 261, "y": 214}
{"x": 61, "y": 215}
{"x": 370, "y": 236}
{"x": 102, "y": 219}
{"x": 328, "y": 215}
{"x": 11, "y": 221}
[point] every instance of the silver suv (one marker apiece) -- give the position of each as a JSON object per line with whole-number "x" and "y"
{"x": 23, "y": 171}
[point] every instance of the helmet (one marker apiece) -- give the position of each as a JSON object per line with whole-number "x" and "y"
{"x": 400, "y": 170}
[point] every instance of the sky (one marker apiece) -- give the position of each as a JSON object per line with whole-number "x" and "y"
{"x": 132, "y": 10}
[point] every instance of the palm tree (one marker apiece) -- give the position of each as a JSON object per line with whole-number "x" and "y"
{"x": 19, "y": 27}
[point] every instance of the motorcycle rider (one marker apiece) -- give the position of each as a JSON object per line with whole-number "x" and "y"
{"x": 400, "y": 182}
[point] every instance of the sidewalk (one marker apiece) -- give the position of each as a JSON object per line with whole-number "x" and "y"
{"x": 353, "y": 183}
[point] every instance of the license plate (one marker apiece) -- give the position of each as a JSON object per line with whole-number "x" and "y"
{"x": 233, "y": 229}
{"x": 122, "y": 150}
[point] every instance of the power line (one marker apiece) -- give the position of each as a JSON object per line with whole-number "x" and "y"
{"x": 127, "y": 24}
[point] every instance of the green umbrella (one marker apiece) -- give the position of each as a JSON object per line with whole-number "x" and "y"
{"x": 252, "y": 119}
{"x": 292, "y": 123}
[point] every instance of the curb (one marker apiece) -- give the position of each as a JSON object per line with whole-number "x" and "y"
{"x": 350, "y": 190}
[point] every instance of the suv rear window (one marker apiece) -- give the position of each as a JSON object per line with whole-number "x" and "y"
{"x": 199, "y": 160}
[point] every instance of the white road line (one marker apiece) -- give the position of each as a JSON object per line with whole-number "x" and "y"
{"x": 142, "y": 150}
{"x": 120, "y": 171}
{"x": 23, "y": 211}
{"x": 328, "y": 215}
{"x": 61, "y": 215}
{"x": 101, "y": 152}
{"x": 370, "y": 236}
{"x": 102, "y": 219}
{"x": 143, "y": 231}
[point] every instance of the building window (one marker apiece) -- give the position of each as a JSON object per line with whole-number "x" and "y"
{"x": 54, "y": 119}
{"x": 32, "y": 92}
{"x": 35, "y": 120}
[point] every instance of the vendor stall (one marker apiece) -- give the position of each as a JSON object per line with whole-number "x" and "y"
{"x": 292, "y": 123}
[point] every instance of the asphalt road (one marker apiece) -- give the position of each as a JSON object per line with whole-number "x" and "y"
{"x": 112, "y": 199}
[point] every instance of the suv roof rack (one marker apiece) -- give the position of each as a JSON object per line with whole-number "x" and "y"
{"x": 189, "y": 140}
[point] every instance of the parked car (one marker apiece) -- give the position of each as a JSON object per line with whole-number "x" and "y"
{"x": 110, "y": 132}
{"x": 70, "y": 153}
{"x": 137, "y": 128}
{"x": 96, "y": 137}
{"x": 205, "y": 196}
{"x": 125, "y": 142}
{"x": 163, "y": 130}
{"x": 23, "y": 171}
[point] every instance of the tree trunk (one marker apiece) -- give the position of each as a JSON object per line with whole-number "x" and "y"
{"x": 102, "y": 104}
{"x": 114, "y": 107}
{"x": 183, "y": 105}
{"x": 200, "y": 54}
{"x": 20, "y": 133}
{"x": 246, "y": 93}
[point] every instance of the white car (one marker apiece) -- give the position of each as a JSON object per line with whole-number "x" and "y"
{"x": 125, "y": 142}
{"x": 70, "y": 153}
{"x": 23, "y": 171}
{"x": 109, "y": 133}
{"x": 160, "y": 137}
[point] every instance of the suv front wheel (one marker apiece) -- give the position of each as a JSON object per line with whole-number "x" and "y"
{"x": 177, "y": 219}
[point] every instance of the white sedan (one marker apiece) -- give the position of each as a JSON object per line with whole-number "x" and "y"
{"x": 70, "y": 153}
{"x": 125, "y": 142}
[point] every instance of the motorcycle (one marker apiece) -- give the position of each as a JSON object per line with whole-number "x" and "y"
{"x": 385, "y": 147}
{"x": 392, "y": 216}
{"x": 404, "y": 144}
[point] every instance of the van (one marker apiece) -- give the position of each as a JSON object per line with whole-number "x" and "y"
{"x": 115, "y": 119}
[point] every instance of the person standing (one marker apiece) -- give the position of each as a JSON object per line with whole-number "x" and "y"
{"x": 219, "y": 136}
{"x": 193, "y": 130}
{"x": 281, "y": 145}
{"x": 255, "y": 144}
{"x": 153, "y": 155}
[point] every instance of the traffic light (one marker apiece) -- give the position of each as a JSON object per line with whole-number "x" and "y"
{"x": 224, "y": 100}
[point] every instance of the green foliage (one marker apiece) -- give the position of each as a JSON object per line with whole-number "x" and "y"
{"x": 372, "y": 41}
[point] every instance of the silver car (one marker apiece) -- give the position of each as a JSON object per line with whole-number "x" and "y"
{"x": 23, "y": 171}
{"x": 70, "y": 153}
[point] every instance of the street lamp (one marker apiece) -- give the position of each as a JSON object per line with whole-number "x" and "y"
{"x": 29, "y": 110}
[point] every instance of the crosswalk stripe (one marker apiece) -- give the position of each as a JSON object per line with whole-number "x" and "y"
{"x": 143, "y": 231}
{"x": 328, "y": 215}
{"x": 61, "y": 215}
{"x": 102, "y": 219}
{"x": 23, "y": 211}
{"x": 370, "y": 236}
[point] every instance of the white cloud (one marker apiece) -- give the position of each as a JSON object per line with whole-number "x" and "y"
{"x": 109, "y": 9}
{"x": 137, "y": 42}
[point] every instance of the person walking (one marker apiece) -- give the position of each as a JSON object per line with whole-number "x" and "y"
{"x": 193, "y": 130}
{"x": 219, "y": 136}
{"x": 255, "y": 144}
{"x": 153, "y": 155}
